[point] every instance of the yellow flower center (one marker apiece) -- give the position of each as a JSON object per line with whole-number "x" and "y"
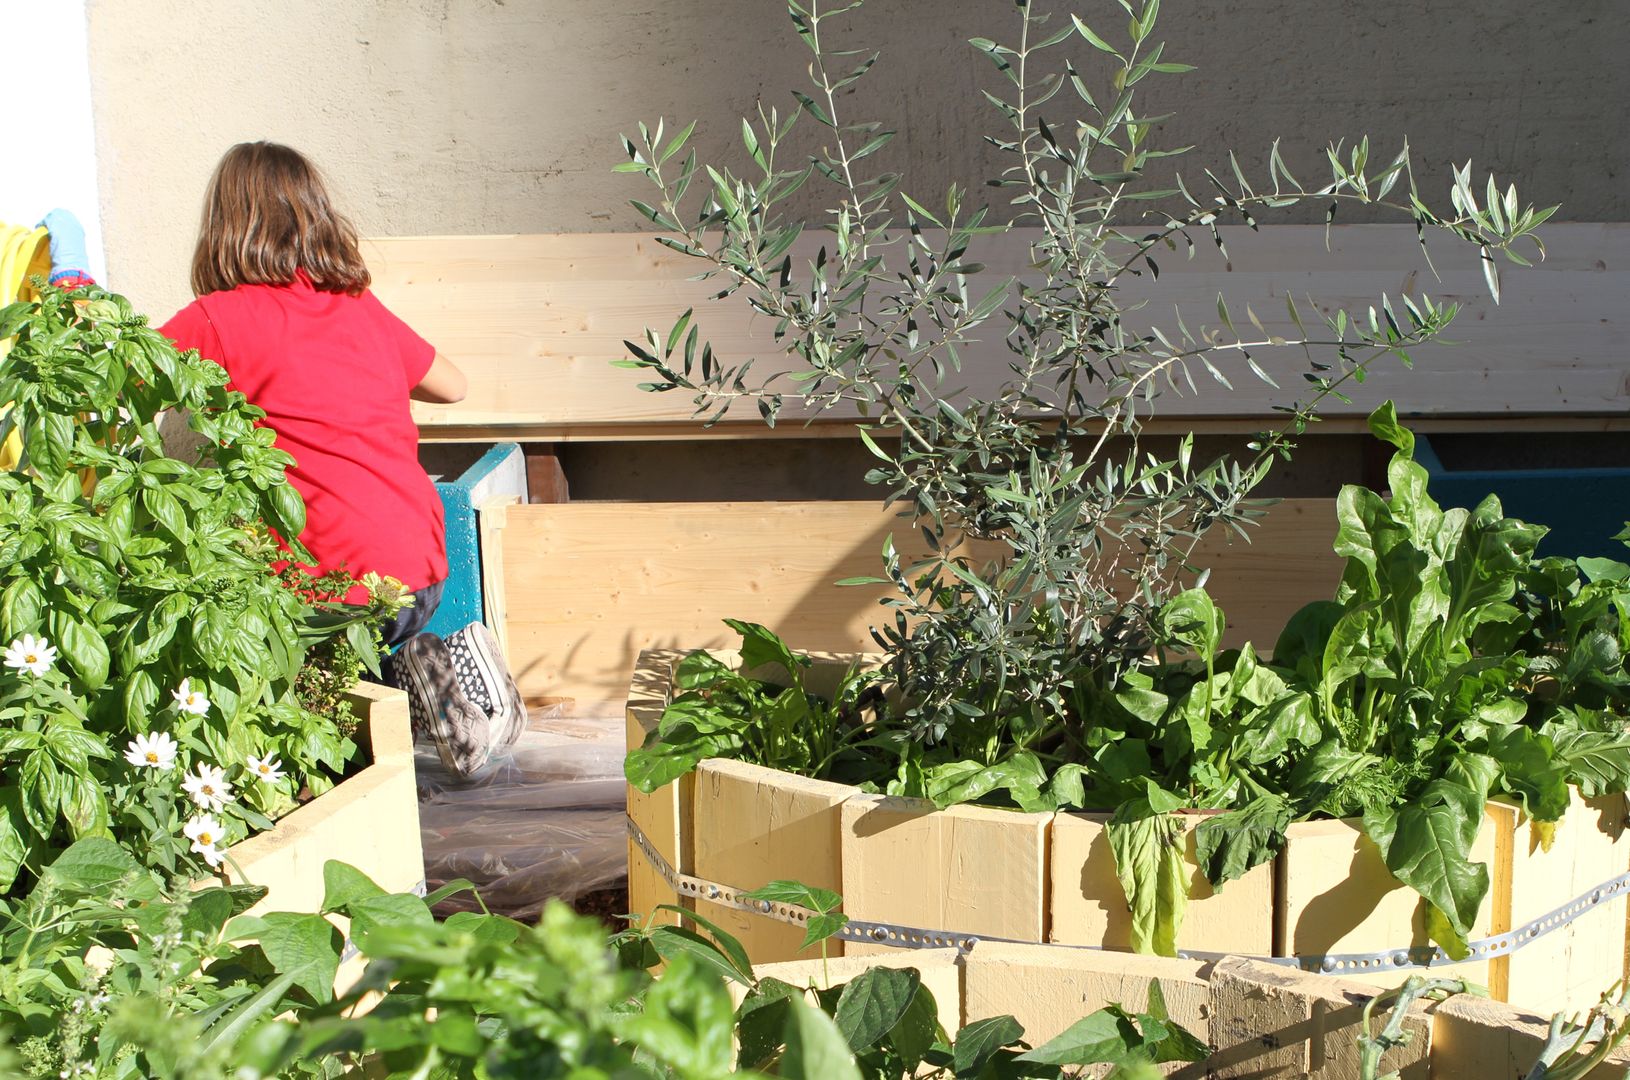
{"x": 152, "y": 758}
{"x": 206, "y": 838}
{"x": 31, "y": 658}
{"x": 264, "y": 769}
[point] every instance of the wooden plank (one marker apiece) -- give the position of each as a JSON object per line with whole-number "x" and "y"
{"x": 1048, "y": 989}
{"x": 1476, "y": 1037}
{"x": 1570, "y": 968}
{"x": 663, "y": 815}
{"x": 1273, "y": 1021}
{"x": 964, "y": 869}
{"x": 1089, "y": 906}
{"x": 536, "y": 320}
{"x": 490, "y": 517}
{"x": 1337, "y": 896}
{"x": 588, "y": 585}
{"x": 754, "y": 825}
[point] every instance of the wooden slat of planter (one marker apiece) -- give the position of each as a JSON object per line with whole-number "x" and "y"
{"x": 1336, "y": 896}
{"x": 1570, "y": 968}
{"x": 588, "y": 585}
{"x": 1272, "y": 1021}
{"x": 752, "y": 826}
{"x": 940, "y": 969}
{"x": 1047, "y": 989}
{"x": 1476, "y": 1037}
{"x": 965, "y": 869}
{"x": 1089, "y": 906}
{"x": 664, "y": 814}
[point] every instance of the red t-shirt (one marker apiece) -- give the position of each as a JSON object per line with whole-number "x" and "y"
{"x": 333, "y": 373}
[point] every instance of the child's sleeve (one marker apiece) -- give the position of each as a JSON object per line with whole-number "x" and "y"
{"x": 414, "y": 352}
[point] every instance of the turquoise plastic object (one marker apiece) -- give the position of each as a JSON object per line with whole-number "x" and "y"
{"x": 1583, "y": 508}
{"x": 500, "y": 471}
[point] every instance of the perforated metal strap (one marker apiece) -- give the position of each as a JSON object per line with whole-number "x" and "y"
{"x": 899, "y": 936}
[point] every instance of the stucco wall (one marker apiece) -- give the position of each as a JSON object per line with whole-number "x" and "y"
{"x": 452, "y": 116}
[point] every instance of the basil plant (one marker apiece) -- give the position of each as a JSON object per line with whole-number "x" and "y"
{"x": 148, "y": 690}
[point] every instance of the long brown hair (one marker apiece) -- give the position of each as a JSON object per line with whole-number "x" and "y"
{"x": 267, "y": 216}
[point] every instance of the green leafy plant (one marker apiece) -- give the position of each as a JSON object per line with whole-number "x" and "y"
{"x": 766, "y": 714}
{"x": 150, "y": 635}
{"x": 1450, "y": 668}
{"x": 186, "y": 985}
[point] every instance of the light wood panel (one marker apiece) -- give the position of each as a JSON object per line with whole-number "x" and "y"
{"x": 536, "y": 320}
{"x": 588, "y": 585}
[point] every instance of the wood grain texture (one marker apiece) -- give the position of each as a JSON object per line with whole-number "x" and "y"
{"x": 536, "y": 320}
{"x": 588, "y": 585}
{"x": 965, "y": 869}
{"x": 752, "y": 826}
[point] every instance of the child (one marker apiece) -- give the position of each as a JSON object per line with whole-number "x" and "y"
{"x": 283, "y": 305}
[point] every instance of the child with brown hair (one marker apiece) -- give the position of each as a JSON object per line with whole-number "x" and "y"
{"x": 283, "y": 305}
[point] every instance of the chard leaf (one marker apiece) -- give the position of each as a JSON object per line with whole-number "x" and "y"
{"x": 760, "y": 646}
{"x": 1599, "y": 763}
{"x": 1229, "y": 845}
{"x": 1148, "y": 850}
{"x": 965, "y": 781}
{"x": 1529, "y": 767}
{"x": 1427, "y": 843}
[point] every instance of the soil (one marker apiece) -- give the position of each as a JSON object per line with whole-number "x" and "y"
{"x": 610, "y": 906}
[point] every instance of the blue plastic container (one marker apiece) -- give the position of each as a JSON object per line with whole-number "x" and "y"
{"x": 501, "y": 470}
{"x": 1583, "y": 507}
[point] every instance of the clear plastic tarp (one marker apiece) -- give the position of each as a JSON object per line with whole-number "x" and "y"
{"x": 543, "y": 818}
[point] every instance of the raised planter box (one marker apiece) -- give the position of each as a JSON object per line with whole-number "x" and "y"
{"x": 370, "y": 820}
{"x": 1260, "y": 1019}
{"x": 1046, "y": 878}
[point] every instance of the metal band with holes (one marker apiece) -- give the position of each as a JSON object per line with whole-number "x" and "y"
{"x": 914, "y": 937}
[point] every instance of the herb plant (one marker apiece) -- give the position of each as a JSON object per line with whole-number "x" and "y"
{"x": 1047, "y": 463}
{"x": 152, "y": 643}
{"x": 183, "y": 984}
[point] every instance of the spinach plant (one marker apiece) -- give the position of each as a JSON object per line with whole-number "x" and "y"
{"x": 1032, "y": 446}
{"x": 764, "y": 713}
{"x": 150, "y": 636}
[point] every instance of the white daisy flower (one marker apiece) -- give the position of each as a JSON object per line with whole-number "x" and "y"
{"x": 31, "y": 654}
{"x": 268, "y": 770}
{"x": 205, "y": 833}
{"x": 208, "y": 787}
{"x": 152, "y": 751}
{"x": 189, "y": 700}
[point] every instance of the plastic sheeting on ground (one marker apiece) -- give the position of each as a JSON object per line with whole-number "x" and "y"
{"x": 543, "y": 819}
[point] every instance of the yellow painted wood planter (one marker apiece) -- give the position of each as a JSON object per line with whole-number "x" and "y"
{"x": 1260, "y": 1019}
{"x": 1050, "y": 878}
{"x": 369, "y": 820}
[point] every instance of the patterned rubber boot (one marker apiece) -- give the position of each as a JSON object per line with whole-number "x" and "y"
{"x": 439, "y": 708}
{"x": 479, "y": 666}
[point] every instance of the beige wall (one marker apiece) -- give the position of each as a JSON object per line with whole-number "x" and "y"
{"x": 463, "y": 116}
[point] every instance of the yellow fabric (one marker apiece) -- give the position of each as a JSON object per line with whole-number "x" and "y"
{"x": 24, "y": 252}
